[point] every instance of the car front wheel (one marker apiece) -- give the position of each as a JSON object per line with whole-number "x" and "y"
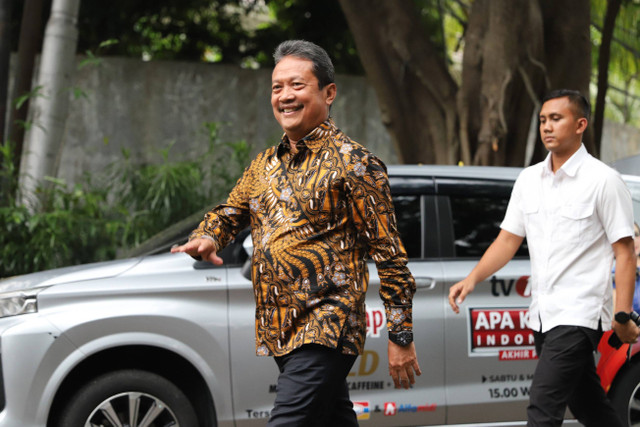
{"x": 129, "y": 398}
{"x": 625, "y": 395}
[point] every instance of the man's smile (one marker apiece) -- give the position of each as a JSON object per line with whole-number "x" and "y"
{"x": 290, "y": 109}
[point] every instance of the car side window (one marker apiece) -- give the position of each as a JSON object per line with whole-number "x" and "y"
{"x": 408, "y": 216}
{"x": 476, "y": 224}
{"x": 471, "y": 211}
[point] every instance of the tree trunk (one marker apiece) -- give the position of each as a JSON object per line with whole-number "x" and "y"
{"x": 515, "y": 51}
{"x": 500, "y": 81}
{"x": 417, "y": 95}
{"x": 28, "y": 46}
{"x": 613, "y": 7}
{"x": 6, "y": 7}
{"x": 44, "y": 137}
{"x": 567, "y": 46}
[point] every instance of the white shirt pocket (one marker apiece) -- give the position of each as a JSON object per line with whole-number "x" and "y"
{"x": 533, "y": 222}
{"x": 573, "y": 221}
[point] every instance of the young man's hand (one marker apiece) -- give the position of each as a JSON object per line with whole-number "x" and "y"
{"x": 459, "y": 292}
{"x": 627, "y": 332}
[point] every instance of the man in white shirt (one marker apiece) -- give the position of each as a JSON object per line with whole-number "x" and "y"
{"x": 576, "y": 214}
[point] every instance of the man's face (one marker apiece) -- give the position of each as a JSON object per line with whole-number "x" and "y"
{"x": 561, "y": 131}
{"x": 299, "y": 105}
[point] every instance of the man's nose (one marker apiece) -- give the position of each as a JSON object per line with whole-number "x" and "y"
{"x": 286, "y": 94}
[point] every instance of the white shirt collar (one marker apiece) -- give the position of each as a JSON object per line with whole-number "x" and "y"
{"x": 570, "y": 167}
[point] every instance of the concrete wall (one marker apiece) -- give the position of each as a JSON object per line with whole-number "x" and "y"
{"x": 619, "y": 141}
{"x": 146, "y": 105}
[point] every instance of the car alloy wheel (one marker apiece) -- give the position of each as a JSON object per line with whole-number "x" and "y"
{"x": 132, "y": 409}
{"x": 129, "y": 398}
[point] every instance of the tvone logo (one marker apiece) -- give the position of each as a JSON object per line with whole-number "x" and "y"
{"x": 500, "y": 287}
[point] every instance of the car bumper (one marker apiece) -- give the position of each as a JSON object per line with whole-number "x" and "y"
{"x": 31, "y": 350}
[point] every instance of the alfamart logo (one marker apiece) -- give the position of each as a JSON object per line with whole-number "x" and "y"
{"x": 391, "y": 408}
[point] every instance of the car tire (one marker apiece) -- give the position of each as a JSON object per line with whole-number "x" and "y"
{"x": 129, "y": 396}
{"x": 625, "y": 395}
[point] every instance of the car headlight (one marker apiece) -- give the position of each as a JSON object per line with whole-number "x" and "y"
{"x": 23, "y": 301}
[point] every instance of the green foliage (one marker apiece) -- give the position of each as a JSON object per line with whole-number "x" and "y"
{"x": 90, "y": 221}
{"x": 91, "y": 59}
{"x": 623, "y": 94}
{"x": 70, "y": 228}
{"x": 34, "y": 93}
{"x": 8, "y": 174}
{"x": 243, "y": 33}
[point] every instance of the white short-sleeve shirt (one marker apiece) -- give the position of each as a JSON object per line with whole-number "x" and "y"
{"x": 570, "y": 220}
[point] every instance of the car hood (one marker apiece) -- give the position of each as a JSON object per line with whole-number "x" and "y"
{"x": 77, "y": 273}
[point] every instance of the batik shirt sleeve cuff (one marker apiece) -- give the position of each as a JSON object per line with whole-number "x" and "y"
{"x": 399, "y": 318}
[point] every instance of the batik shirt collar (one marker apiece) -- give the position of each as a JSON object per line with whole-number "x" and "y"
{"x": 314, "y": 140}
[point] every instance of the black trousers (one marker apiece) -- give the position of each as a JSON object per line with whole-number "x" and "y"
{"x": 312, "y": 389}
{"x": 566, "y": 376}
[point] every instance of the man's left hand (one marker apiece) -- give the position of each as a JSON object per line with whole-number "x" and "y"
{"x": 403, "y": 362}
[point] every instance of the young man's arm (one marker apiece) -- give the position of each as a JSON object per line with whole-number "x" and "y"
{"x": 625, "y": 285}
{"x": 615, "y": 211}
{"x": 495, "y": 257}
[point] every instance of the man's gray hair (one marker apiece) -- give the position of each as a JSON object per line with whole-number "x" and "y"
{"x": 322, "y": 65}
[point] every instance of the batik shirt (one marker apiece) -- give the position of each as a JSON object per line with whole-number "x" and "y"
{"x": 314, "y": 220}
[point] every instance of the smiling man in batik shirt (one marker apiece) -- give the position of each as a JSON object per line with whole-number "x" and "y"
{"x": 318, "y": 205}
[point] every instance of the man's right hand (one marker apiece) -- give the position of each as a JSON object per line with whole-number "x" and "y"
{"x": 627, "y": 332}
{"x": 200, "y": 247}
{"x": 459, "y": 292}
{"x": 495, "y": 257}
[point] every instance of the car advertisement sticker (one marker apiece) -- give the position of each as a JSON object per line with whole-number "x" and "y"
{"x": 503, "y": 332}
{"x": 362, "y": 410}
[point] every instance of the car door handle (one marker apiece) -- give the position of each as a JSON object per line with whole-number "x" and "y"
{"x": 427, "y": 283}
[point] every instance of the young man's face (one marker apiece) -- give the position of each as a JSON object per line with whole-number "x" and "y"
{"x": 299, "y": 105}
{"x": 560, "y": 129}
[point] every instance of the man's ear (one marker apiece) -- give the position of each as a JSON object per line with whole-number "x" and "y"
{"x": 330, "y": 91}
{"x": 582, "y": 125}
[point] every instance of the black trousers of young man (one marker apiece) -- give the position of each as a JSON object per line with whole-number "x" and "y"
{"x": 566, "y": 376}
{"x": 312, "y": 389}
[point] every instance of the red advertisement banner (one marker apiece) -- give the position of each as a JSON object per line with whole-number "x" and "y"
{"x": 496, "y": 328}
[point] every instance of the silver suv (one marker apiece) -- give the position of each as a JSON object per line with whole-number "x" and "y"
{"x": 163, "y": 340}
